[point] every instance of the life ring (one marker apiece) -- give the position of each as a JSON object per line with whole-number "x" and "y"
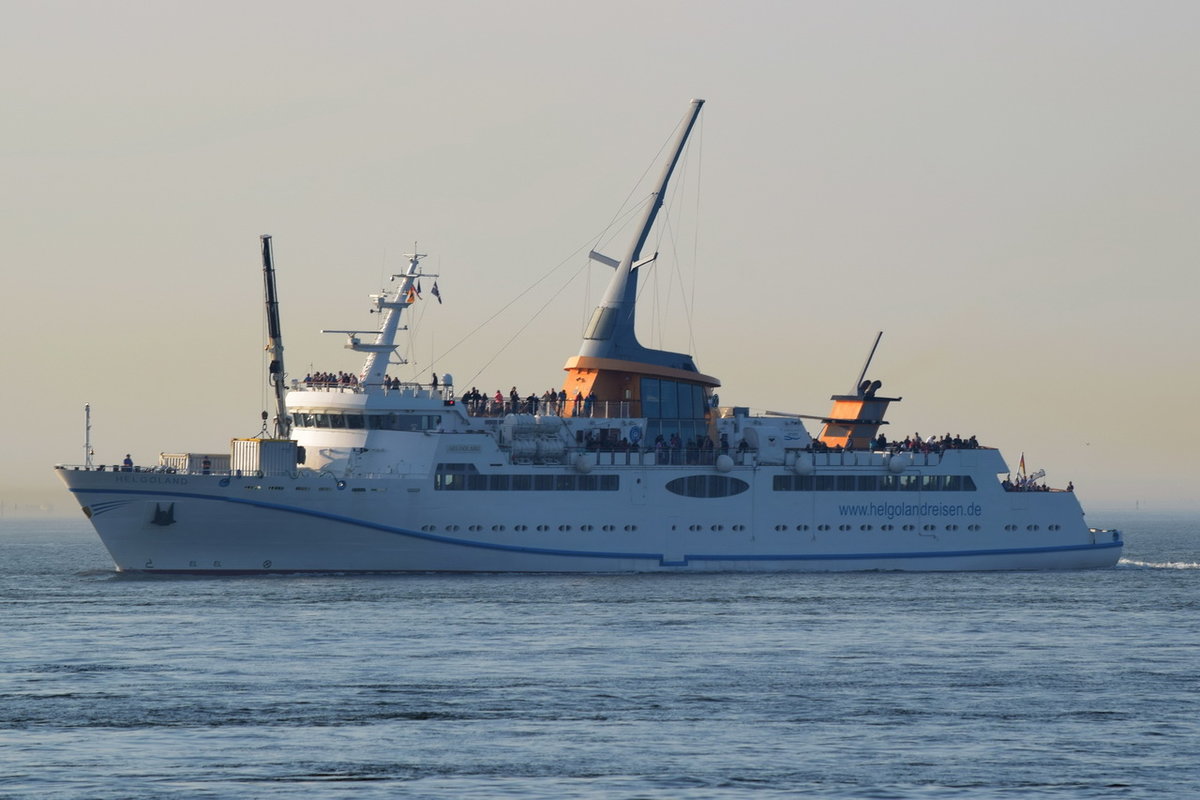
{"x": 635, "y": 434}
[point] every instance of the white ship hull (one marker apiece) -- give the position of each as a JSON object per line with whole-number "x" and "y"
{"x": 219, "y": 525}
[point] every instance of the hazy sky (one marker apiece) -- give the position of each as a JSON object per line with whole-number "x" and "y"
{"x": 1008, "y": 189}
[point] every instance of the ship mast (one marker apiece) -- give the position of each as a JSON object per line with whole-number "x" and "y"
{"x": 610, "y": 334}
{"x": 276, "y": 373}
{"x": 87, "y": 435}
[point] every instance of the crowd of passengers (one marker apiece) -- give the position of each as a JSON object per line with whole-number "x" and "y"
{"x": 932, "y": 444}
{"x": 325, "y": 380}
{"x": 1028, "y": 484}
{"x": 911, "y": 444}
{"x": 549, "y": 402}
{"x": 335, "y": 380}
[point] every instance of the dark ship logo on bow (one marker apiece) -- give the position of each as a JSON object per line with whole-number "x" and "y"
{"x": 164, "y": 516}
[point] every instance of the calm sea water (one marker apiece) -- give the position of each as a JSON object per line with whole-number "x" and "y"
{"x": 867, "y": 685}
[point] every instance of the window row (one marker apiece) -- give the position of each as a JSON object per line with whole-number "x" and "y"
{"x": 456, "y": 481}
{"x": 664, "y": 399}
{"x": 874, "y": 483}
{"x": 374, "y": 422}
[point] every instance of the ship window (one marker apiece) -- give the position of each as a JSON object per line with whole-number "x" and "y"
{"x": 543, "y": 483}
{"x": 453, "y": 477}
{"x": 651, "y": 398}
{"x": 601, "y": 325}
{"x": 784, "y": 483}
{"x": 498, "y": 482}
{"x": 465, "y": 469}
{"x": 823, "y": 483}
{"x": 670, "y": 400}
{"x": 609, "y": 483}
{"x": 401, "y": 422}
{"x": 868, "y": 483}
{"x": 477, "y": 482}
{"x": 354, "y": 421}
{"x": 707, "y": 486}
{"x": 889, "y": 483}
{"x": 968, "y": 484}
{"x": 910, "y": 483}
{"x": 845, "y": 483}
{"x": 589, "y": 483}
{"x": 336, "y": 421}
{"x": 522, "y": 483}
{"x": 564, "y": 483}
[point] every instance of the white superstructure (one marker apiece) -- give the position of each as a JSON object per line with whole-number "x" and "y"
{"x": 633, "y": 467}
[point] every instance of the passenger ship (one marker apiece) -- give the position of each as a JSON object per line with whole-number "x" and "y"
{"x": 633, "y": 468}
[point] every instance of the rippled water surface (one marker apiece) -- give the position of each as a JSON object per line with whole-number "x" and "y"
{"x": 863, "y": 685}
